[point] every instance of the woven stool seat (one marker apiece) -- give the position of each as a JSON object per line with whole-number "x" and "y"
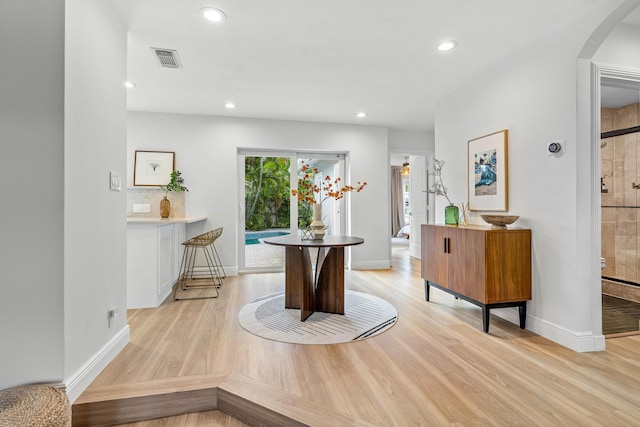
{"x": 34, "y": 406}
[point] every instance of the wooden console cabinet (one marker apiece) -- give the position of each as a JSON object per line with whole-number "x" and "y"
{"x": 485, "y": 266}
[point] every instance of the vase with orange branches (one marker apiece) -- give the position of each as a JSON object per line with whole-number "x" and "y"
{"x": 314, "y": 192}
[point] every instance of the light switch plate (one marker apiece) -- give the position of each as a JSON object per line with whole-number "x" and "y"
{"x": 114, "y": 182}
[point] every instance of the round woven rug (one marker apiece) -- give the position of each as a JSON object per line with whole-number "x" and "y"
{"x": 364, "y": 316}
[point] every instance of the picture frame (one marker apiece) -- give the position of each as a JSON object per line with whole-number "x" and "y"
{"x": 152, "y": 168}
{"x": 488, "y": 176}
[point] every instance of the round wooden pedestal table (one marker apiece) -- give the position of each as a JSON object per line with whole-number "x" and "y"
{"x": 322, "y": 290}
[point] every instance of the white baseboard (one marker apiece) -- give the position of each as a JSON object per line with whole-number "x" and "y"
{"x": 203, "y": 270}
{"x": 370, "y": 265}
{"x": 576, "y": 341}
{"x": 164, "y": 293}
{"x": 81, "y": 379}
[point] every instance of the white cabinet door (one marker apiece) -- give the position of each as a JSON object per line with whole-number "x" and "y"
{"x": 166, "y": 250}
{"x": 180, "y": 236}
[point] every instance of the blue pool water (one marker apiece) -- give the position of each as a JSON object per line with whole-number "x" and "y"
{"x": 253, "y": 237}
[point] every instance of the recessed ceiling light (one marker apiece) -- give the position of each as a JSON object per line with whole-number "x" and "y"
{"x": 230, "y": 105}
{"x": 447, "y": 45}
{"x": 361, "y": 114}
{"x": 129, "y": 85}
{"x": 213, "y": 15}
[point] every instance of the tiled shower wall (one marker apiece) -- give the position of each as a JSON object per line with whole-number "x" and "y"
{"x": 620, "y": 172}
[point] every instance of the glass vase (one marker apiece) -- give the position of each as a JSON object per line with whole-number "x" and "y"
{"x": 165, "y": 207}
{"x": 451, "y": 214}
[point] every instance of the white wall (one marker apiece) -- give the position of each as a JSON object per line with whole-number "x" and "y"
{"x": 32, "y": 149}
{"x": 411, "y": 142}
{"x": 533, "y": 94}
{"x": 206, "y": 154}
{"x": 95, "y": 216}
{"x": 62, "y": 126}
{"x": 621, "y": 48}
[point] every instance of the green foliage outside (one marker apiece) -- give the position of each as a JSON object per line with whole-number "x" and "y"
{"x": 267, "y": 193}
{"x": 305, "y": 214}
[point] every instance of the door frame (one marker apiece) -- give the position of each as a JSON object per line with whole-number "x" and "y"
{"x": 294, "y": 155}
{"x": 429, "y": 199}
{"x": 599, "y": 73}
{"x": 418, "y": 192}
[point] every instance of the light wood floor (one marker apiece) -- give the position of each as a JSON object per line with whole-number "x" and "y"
{"x": 199, "y": 419}
{"x": 435, "y": 367}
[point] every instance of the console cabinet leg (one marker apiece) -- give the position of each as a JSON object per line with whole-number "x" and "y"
{"x": 426, "y": 290}
{"x": 522, "y": 310}
{"x": 485, "y": 318}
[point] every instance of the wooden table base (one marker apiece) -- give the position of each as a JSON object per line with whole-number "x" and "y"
{"x": 319, "y": 290}
{"x": 322, "y": 292}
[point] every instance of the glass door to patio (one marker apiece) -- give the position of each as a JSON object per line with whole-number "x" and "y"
{"x": 269, "y": 209}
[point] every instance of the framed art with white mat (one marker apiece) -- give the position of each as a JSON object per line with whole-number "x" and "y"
{"x": 488, "y": 172}
{"x": 152, "y": 168}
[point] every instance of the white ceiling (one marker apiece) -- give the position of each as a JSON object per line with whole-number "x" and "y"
{"x": 324, "y": 60}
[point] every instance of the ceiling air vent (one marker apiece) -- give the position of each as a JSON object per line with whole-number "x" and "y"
{"x": 168, "y": 58}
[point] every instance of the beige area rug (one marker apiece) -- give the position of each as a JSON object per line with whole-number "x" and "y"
{"x": 365, "y": 316}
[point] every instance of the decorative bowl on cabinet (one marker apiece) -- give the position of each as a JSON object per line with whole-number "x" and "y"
{"x": 500, "y": 221}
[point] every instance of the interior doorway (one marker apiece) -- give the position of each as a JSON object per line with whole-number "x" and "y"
{"x": 620, "y": 205}
{"x": 411, "y": 204}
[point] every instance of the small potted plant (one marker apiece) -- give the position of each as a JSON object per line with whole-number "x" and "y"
{"x": 175, "y": 184}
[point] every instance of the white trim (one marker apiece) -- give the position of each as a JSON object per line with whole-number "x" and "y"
{"x": 231, "y": 271}
{"x": 592, "y": 83}
{"x": 240, "y": 214}
{"x": 80, "y": 380}
{"x": 596, "y": 205}
{"x": 163, "y": 295}
{"x": 576, "y": 341}
{"x": 588, "y": 246}
{"x": 617, "y": 73}
{"x": 203, "y": 270}
{"x": 370, "y": 265}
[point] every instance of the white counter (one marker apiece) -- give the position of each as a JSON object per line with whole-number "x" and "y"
{"x": 154, "y": 253}
{"x": 171, "y": 220}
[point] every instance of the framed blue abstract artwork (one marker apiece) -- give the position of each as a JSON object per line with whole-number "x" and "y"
{"x": 488, "y": 178}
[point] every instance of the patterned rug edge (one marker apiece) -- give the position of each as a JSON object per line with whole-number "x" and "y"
{"x": 365, "y": 316}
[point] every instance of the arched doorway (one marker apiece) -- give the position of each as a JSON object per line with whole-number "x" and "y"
{"x": 589, "y": 229}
